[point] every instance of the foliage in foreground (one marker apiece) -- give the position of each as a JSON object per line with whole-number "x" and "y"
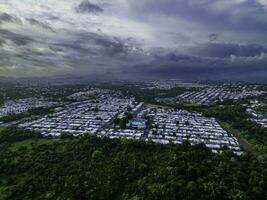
{"x": 95, "y": 168}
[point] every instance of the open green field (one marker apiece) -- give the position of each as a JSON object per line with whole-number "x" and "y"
{"x": 30, "y": 143}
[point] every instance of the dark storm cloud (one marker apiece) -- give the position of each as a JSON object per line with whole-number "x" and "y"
{"x": 95, "y": 44}
{"x": 194, "y": 67}
{"x": 219, "y": 14}
{"x": 115, "y": 46}
{"x": 223, "y": 50}
{"x": 1, "y": 42}
{"x": 4, "y": 17}
{"x": 213, "y": 36}
{"x": 88, "y": 7}
{"x": 18, "y": 39}
{"x": 177, "y": 58}
{"x": 38, "y": 23}
{"x": 87, "y": 52}
{"x": 168, "y": 38}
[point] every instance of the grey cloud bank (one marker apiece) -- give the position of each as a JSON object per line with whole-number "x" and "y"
{"x": 209, "y": 39}
{"x": 87, "y": 7}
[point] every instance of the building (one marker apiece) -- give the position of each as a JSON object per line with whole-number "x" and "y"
{"x": 137, "y": 123}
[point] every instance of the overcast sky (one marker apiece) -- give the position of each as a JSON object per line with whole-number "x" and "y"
{"x": 209, "y": 39}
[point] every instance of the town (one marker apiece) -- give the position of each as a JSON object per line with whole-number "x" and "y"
{"x": 179, "y": 125}
{"x": 257, "y": 113}
{"x": 96, "y": 112}
{"x": 215, "y": 94}
{"x": 112, "y": 113}
{"x": 87, "y": 116}
{"x": 23, "y": 105}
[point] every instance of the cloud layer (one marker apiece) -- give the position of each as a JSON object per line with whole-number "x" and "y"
{"x": 127, "y": 38}
{"x": 88, "y": 7}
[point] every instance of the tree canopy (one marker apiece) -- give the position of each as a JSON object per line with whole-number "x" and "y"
{"x": 101, "y": 168}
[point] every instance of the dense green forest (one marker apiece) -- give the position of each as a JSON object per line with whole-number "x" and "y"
{"x": 88, "y": 167}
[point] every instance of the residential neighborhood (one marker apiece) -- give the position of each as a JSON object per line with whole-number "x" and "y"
{"x": 176, "y": 126}
{"x": 214, "y": 94}
{"x": 97, "y": 114}
{"x": 81, "y": 117}
{"x": 23, "y": 105}
{"x": 257, "y": 117}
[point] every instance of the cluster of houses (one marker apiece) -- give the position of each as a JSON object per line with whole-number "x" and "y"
{"x": 90, "y": 116}
{"x": 175, "y": 126}
{"x": 122, "y": 133}
{"x": 170, "y": 84}
{"x": 23, "y": 105}
{"x": 257, "y": 117}
{"x": 137, "y": 123}
{"x": 214, "y": 94}
{"x": 91, "y": 94}
{"x": 96, "y": 116}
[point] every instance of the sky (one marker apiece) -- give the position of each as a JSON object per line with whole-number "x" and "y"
{"x": 189, "y": 39}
